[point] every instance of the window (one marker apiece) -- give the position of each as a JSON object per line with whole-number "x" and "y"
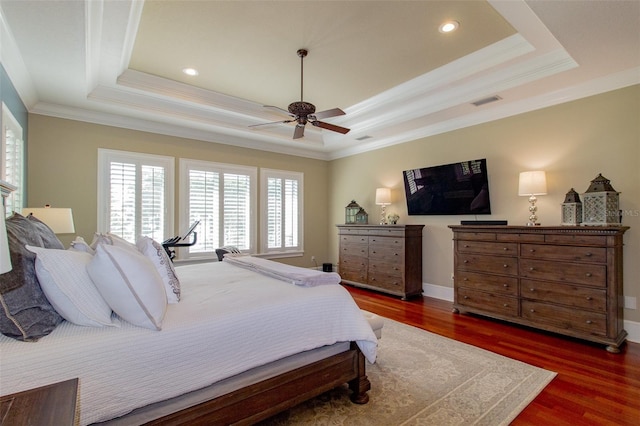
{"x": 12, "y": 159}
{"x": 281, "y": 205}
{"x": 223, "y": 198}
{"x": 135, "y": 194}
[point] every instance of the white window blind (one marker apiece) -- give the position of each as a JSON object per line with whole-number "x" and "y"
{"x": 13, "y": 159}
{"x": 135, "y": 194}
{"x": 282, "y": 211}
{"x": 222, "y": 197}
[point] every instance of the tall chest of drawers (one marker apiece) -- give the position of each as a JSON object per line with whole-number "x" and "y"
{"x": 387, "y": 258}
{"x": 566, "y": 280}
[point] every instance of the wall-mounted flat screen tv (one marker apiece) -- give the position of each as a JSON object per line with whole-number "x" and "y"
{"x": 449, "y": 189}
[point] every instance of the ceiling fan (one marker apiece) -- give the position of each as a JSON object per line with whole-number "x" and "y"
{"x": 303, "y": 112}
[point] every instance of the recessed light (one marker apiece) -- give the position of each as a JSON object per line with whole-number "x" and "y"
{"x": 190, "y": 71}
{"x": 449, "y": 26}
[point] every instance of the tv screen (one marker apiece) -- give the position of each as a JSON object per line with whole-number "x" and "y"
{"x": 450, "y": 189}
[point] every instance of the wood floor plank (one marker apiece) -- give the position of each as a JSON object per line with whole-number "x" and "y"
{"x": 593, "y": 386}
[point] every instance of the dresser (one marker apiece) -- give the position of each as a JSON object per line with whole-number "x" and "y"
{"x": 386, "y": 258}
{"x": 566, "y": 280}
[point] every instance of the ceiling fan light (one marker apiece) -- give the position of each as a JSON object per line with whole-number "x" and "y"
{"x": 449, "y": 26}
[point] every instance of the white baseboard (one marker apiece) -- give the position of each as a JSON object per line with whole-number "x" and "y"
{"x": 446, "y": 293}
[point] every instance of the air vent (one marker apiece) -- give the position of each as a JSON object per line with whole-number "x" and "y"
{"x": 361, "y": 138}
{"x": 486, "y": 100}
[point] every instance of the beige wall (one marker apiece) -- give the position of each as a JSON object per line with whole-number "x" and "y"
{"x": 62, "y": 171}
{"x": 573, "y": 142}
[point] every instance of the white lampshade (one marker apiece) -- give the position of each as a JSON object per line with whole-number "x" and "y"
{"x": 5, "y": 255}
{"x": 532, "y": 183}
{"x": 60, "y": 220}
{"x": 383, "y": 196}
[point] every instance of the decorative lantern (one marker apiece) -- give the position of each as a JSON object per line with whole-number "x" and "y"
{"x": 571, "y": 208}
{"x": 362, "y": 217}
{"x": 350, "y": 212}
{"x": 601, "y": 203}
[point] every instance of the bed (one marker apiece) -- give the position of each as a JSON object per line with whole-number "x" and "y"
{"x": 239, "y": 346}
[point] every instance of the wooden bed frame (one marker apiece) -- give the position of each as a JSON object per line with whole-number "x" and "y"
{"x": 264, "y": 399}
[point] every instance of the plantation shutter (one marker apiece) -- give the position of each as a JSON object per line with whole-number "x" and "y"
{"x": 134, "y": 195}
{"x": 13, "y": 167}
{"x": 221, "y": 197}
{"x": 282, "y": 205}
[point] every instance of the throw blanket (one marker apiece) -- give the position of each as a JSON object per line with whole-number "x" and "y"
{"x": 292, "y": 274}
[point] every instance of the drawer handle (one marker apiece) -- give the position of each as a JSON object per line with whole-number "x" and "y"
{"x": 589, "y": 322}
{"x": 505, "y": 266}
{"x": 465, "y": 279}
{"x": 533, "y": 310}
{"x": 466, "y": 297}
{"x": 505, "y": 285}
{"x": 589, "y": 298}
{"x": 589, "y": 254}
{"x": 588, "y": 274}
{"x": 532, "y": 269}
{"x": 532, "y": 289}
{"x": 505, "y": 248}
{"x": 532, "y": 250}
{"x": 466, "y": 246}
{"x": 506, "y": 305}
{"x": 374, "y": 252}
{"x": 395, "y": 254}
{"x": 466, "y": 261}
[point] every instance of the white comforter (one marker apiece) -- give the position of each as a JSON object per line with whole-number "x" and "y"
{"x": 228, "y": 321}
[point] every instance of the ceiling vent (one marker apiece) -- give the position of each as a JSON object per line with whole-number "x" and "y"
{"x": 486, "y": 100}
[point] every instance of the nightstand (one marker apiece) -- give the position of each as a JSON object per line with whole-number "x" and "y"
{"x": 53, "y": 405}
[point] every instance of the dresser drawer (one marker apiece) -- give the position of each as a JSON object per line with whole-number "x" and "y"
{"x": 381, "y": 253}
{"x": 595, "y": 240}
{"x": 483, "y": 236}
{"x": 347, "y": 249}
{"x": 489, "y": 264}
{"x": 354, "y": 239}
{"x": 567, "y": 253}
{"x": 487, "y": 247}
{"x": 354, "y": 268}
{"x": 565, "y": 294}
{"x": 491, "y": 302}
{"x": 521, "y": 238}
{"x": 490, "y": 283}
{"x": 377, "y": 241}
{"x": 565, "y": 318}
{"x": 386, "y": 281}
{"x": 390, "y": 269}
{"x": 589, "y": 274}
{"x": 387, "y": 232}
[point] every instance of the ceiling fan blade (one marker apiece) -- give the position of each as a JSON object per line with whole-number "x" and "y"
{"x": 299, "y": 131}
{"x": 329, "y": 113}
{"x": 271, "y": 122}
{"x": 331, "y": 127}
{"x": 280, "y": 110}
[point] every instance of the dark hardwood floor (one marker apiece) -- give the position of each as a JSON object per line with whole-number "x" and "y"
{"x": 593, "y": 386}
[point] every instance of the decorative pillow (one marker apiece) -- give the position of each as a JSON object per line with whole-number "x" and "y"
{"x": 79, "y": 244}
{"x": 112, "y": 240}
{"x": 130, "y": 285}
{"x": 156, "y": 253}
{"x": 49, "y": 239}
{"x": 64, "y": 279}
{"x": 25, "y": 312}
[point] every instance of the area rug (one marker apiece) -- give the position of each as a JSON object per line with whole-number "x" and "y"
{"x": 421, "y": 378}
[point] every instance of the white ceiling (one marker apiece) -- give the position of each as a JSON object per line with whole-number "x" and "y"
{"x": 118, "y": 62}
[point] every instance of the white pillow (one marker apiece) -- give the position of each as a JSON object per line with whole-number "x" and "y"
{"x": 130, "y": 284}
{"x": 64, "y": 280}
{"x": 79, "y": 244}
{"x": 154, "y": 252}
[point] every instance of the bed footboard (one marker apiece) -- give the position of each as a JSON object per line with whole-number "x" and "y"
{"x": 269, "y": 397}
